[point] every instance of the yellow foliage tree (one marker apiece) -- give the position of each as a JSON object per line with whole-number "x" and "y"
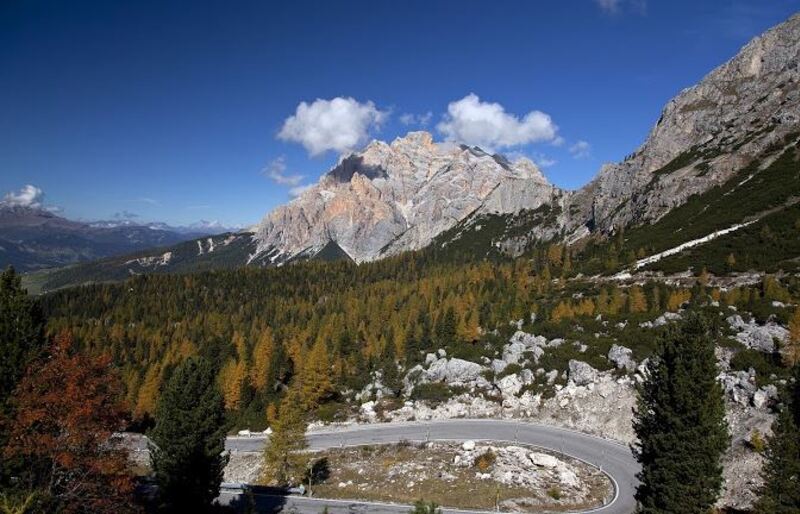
{"x": 637, "y": 302}
{"x": 262, "y": 357}
{"x": 315, "y": 381}
{"x": 148, "y": 393}
{"x": 562, "y": 311}
{"x": 585, "y": 307}
{"x": 791, "y": 352}
{"x": 284, "y": 456}
{"x": 678, "y": 298}
{"x": 232, "y": 377}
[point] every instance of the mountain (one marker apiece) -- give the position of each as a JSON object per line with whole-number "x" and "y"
{"x": 33, "y": 238}
{"x": 395, "y": 197}
{"x": 718, "y": 174}
{"x": 733, "y": 125}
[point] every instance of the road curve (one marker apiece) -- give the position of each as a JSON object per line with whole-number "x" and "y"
{"x": 613, "y": 458}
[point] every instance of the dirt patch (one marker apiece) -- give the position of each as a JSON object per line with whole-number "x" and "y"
{"x": 468, "y": 476}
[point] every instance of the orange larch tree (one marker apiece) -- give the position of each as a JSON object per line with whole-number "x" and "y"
{"x": 68, "y": 408}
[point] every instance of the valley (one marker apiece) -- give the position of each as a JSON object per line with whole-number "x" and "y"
{"x": 432, "y": 324}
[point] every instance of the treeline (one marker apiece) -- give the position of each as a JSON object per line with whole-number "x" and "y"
{"x": 333, "y": 324}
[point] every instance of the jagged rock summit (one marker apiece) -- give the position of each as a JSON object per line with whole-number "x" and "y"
{"x": 394, "y": 197}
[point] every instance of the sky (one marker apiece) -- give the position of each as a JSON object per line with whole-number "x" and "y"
{"x": 179, "y": 111}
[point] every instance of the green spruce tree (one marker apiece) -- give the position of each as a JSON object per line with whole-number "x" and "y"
{"x": 680, "y": 424}
{"x": 21, "y": 337}
{"x": 189, "y": 439}
{"x": 780, "y": 493}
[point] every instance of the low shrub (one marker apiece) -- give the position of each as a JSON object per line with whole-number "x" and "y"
{"x": 757, "y": 442}
{"x": 485, "y": 461}
{"x": 433, "y": 392}
{"x": 554, "y": 493}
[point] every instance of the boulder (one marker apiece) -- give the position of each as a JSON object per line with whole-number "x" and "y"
{"x": 581, "y": 373}
{"x": 621, "y": 357}
{"x": 543, "y": 460}
{"x": 453, "y": 371}
{"x": 498, "y": 366}
{"x": 755, "y": 336}
{"x": 765, "y": 396}
{"x": 510, "y": 385}
{"x": 512, "y": 352}
{"x": 526, "y": 376}
{"x": 468, "y": 446}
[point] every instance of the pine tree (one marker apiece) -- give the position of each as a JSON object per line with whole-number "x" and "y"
{"x": 189, "y": 439}
{"x": 680, "y": 424}
{"x": 781, "y": 491}
{"x": 791, "y": 352}
{"x": 21, "y": 335}
{"x": 284, "y": 457}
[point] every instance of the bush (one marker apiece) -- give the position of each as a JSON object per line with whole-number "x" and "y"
{"x": 511, "y": 369}
{"x": 757, "y": 442}
{"x": 332, "y": 411}
{"x": 485, "y": 461}
{"x": 433, "y": 392}
{"x": 423, "y": 507}
{"x": 765, "y": 364}
{"x": 554, "y": 493}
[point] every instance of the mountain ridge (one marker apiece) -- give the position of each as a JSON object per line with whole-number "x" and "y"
{"x": 414, "y": 193}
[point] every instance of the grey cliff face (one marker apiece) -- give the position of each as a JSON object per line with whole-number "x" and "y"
{"x": 704, "y": 135}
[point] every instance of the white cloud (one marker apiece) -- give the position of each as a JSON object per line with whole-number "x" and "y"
{"x": 149, "y": 201}
{"x": 421, "y": 120}
{"x": 580, "y": 150}
{"x": 28, "y": 196}
{"x": 489, "y": 126}
{"x": 608, "y": 5}
{"x": 276, "y": 172}
{"x": 340, "y": 124}
{"x": 544, "y": 161}
{"x": 615, "y": 6}
{"x": 298, "y": 190}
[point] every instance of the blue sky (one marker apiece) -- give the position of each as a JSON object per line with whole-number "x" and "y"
{"x": 173, "y": 110}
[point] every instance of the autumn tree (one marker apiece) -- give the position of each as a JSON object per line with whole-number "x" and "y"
{"x": 315, "y": 382}
{"x": 284, "y": 457}
{"x": 637, "y": 302}
{"x": 189, "y": 439}
{"x": 262, "y": 358}
{"x": 68, "y": 409}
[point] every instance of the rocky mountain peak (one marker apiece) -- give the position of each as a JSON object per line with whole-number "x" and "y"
{"x": 390, "y": 198}
{"x": 418, "y": 139}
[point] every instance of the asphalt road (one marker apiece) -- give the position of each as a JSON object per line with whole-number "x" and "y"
{"x": 613, "y": 458}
